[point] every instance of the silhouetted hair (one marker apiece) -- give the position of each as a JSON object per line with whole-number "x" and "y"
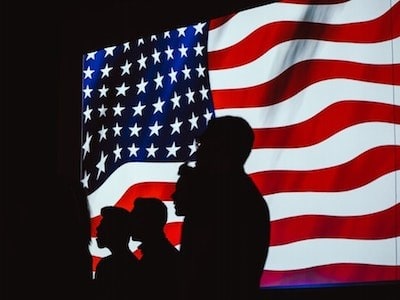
{"x": 232, "y": 135}
{"x": 152, "y": 211}
{"x": 117, "y": 218}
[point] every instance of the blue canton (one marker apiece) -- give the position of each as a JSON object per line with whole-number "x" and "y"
{"x": 144, "y": 101}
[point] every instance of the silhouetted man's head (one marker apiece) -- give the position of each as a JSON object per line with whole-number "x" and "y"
{"x": 226, "y": 142}
{"x": 113, "y": 229}
{"x": 148, "y": 217}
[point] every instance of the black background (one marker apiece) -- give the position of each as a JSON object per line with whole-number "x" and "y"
{"x": 44, "y": 44}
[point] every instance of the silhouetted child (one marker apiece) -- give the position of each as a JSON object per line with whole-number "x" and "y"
{"x": 159, "y": 262}
{"x": 116, "y": 274}
{"x": 226, "y": 227}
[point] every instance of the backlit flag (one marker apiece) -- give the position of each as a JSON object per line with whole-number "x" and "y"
{"x": 319, "y": 82}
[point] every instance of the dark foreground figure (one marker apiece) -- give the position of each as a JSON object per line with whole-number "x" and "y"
{"x": 159, "y": 262}
{"x": 226, "y": 228}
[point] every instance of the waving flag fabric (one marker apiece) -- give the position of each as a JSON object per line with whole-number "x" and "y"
{"x": 319, "y": 82}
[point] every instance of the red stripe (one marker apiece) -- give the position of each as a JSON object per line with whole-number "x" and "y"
{"x": 360, "y": 171}
{"x": 270, "y": 35}
{"x": 379, "y": 225}
{"x": 339, "y": 116}
{"x": 278, "y": 89}
{"x": 173, "y": 232}
{"x": 314, "y": 1}
{"x": 330, "y": 274}
{"x": 217, "y": 22}
{"x": 161, "y": 190}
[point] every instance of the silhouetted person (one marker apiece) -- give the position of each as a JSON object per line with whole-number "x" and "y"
{"x": 226, "y": 227}
{"x": 116, "y": 274}
{"x": 159, "y": 261}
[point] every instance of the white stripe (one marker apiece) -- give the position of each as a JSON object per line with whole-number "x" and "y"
{"x": 318, "y": 252}
{"x": 311, "y": 100}
{"x": 172, "y": 217}
{"x": 338, "y": 149}
{"x": 284, "y": 55}
{"x": 127, "y": 175}
{"x": 247, "y": 21}
{"x": 357, "y": 138}
{"x": 376, "y": 196}
{"x": 396, "y": 92}
{"x": 102, "y": 252}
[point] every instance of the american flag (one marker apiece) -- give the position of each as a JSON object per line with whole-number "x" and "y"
{"x": 319, "y": 82}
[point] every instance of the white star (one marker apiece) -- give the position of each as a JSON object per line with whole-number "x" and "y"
{"x": 87, "y": 113}
{"x": 88, "y": 72}
{"x": 126, "y": 46}
{"x": 186, "y": 72}
{"x": 101, "y": 164}
{"x": 181, "y": 31}
{"x": 193, "y": 147}
{"x": 103, "y": 91}
{"x": 117, "y": 152}
{"x": 190, "y": 95}
{"x": 183, "y": 50}
{"x": 118, "y": 109}
{"x": 109, "y": 51}
{"x": 140, "y": 42}
{"x": 172, "y": 75}
{"x": 91, "y": 55}
{"x": 142, "y": 61}
{"x": 175, "y": 100}
{"x": 117, "y": 129}
{"x": 86, "y": 144}
{"x": 158, "y": 106}
{"x": 135, "y": 130}
{"x": 87, "y": 92}
{"x": 121, "y": 90}
{"x": 141, "y": 86}
{"x": 169, "y": 52}
{"x": 204, "y": 92}
{"x": 158, "y": 80}
{"x": 193, "y": 122}
{"x": 199, "y": 49}
{"x": 207, "y": 115}
{"x": 199, "y": 28}
{"x": 176, "y": 126}
{"x": 125, "y": 68}
{"x": 156, "y": 56}
{"x": 151, "y": 151}
{"x": 172, "y": 150}
{"x": 102, "y": 110}
{"x": 103, "y": 133}
{"x": 133, "y": 150}
{"x": 105, "y": 72}
{"x": 153, "y": 37}
{"x": 138, "y": 108}
{"x": 155, "y": 129}
{"x": 85, "y": 179}
{"x": 167, "y": 34}
{"x": 200, "y": 70}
